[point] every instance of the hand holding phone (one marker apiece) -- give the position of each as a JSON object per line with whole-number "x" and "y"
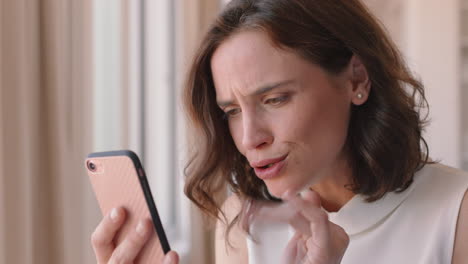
{"x": 119, "y": 180}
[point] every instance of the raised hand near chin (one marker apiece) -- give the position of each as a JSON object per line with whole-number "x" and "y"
{"x": 316, "y": 239}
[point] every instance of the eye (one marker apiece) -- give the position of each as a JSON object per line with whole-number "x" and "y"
{"x": 276, "y": 100}
{"x": 232, "y": 112}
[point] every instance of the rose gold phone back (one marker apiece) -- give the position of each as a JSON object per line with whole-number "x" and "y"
{"x": 116, "y": 183}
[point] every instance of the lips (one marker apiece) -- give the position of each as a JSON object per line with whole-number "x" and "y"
{"x": 269, "y": 168}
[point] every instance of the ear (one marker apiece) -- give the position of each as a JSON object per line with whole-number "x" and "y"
{"x": 359, "y": 80}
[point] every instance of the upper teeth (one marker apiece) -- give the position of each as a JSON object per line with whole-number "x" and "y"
{"x": 269, "y": 165}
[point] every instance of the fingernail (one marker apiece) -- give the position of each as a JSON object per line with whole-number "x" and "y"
{"x": 287, "y": 195}
{"x": 303, "y": 192}
{"x": 168, "y": 259}
{"x": 114, "y": 214}
{"x": 141, "y": 228}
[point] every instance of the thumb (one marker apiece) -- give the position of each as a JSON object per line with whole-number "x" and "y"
{"x": 171, "y": 258}
{"x": 290, "y": 254}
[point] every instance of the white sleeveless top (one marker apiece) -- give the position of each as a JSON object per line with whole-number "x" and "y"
{"x": 416, "y": 226}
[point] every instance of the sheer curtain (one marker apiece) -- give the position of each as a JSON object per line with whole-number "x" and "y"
{"x": 47, "y": 209}
{"x": 193, "y": 19}
{"x": 45, "y": 125}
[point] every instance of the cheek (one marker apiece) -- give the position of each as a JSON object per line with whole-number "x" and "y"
{"x": 296, "y": 124}
{"x": 317, "y": 127}
{"x": 235, "y": 128}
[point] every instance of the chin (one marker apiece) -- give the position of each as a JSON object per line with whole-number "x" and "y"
{"x": 277, "y": 189}
{"x": 276, "y": 193}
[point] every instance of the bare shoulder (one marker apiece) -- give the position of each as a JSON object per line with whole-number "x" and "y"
{"x": 237, "y": 252}
{"x": 460, "y": 252}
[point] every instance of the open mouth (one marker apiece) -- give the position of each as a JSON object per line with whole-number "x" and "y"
{"x": 267, "y": 163}
{"x": 270, "y": 168}
{"x": 267, "y": 166}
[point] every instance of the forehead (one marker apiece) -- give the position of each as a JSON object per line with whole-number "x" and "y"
{"x": 247, "y": 60}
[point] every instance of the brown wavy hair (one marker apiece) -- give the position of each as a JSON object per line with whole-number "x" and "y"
{"x": 384, "y": 141}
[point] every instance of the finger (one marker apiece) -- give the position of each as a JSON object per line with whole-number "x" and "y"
{"x": 128, "y": 250}
{"x": 171, "y": 258}
{"x": 312, "y": 197}
{"x": 320, "y": 229}
{"x": 300, "y": 224}
{"x": 290, "y": 252}
{"x": 278, "y": 212}
{"x": 298, "y": 220}
{"x": 342, "y": 238}
{"x": 102, "y": 238}
{"x": 271, "y": 212}
{"x": 317, "y": 218}
{"x": 319, "y": 240}
{"x": 288, "y": 195}
{"x": 301, "y": 251}
{"x": 310, "y": 211}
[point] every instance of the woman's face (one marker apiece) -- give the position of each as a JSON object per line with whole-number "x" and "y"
{"x": 287, "y": 116}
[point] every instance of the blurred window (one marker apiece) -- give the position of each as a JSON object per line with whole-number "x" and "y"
{"x": 135, "y": 98}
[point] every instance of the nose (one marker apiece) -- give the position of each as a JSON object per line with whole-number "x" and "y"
{"x": 256, "y": 132}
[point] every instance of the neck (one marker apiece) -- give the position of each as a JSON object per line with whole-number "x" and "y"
{"x": 331, "y": 188}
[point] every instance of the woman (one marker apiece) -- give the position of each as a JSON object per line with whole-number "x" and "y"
{"x": 307, "y": 111}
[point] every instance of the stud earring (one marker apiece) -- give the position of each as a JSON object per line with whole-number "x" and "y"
{"x": 360, "y": 96}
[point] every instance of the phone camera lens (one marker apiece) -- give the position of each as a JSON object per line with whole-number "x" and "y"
{"x": 91, "y": 166}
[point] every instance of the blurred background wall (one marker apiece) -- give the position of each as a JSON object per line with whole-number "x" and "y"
{"x": 83, "y": 76}
{"x": 44, "y": 117}
{"x": 429, "y": 34}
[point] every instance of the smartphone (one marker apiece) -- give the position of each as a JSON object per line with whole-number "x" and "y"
{"x": 118, "y": 179}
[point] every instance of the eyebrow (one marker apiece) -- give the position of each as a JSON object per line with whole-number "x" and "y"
{"x": 261, "y": 90}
